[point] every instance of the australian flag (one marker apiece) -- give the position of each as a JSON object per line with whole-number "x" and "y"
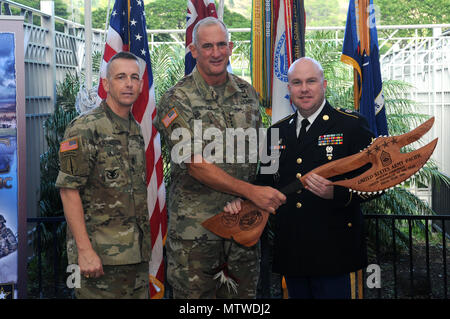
{"x": 360, "y": 50}
{"x": 196, "y": 11}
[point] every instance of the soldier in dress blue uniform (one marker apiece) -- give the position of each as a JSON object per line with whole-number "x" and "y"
{"x": 319, "y": 236}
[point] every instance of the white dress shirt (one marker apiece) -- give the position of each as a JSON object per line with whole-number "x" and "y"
{"x": 311, "y": 119}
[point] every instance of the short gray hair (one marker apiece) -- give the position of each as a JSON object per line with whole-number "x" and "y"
{"x": 205, "y": 22}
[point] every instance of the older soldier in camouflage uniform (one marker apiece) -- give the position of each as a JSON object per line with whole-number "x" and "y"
{"x": 103, "y": 189}
{"x": 8, "y": 242}
{"x": 200, "y": 188}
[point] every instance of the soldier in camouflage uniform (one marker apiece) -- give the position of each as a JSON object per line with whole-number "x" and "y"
{"x": 8, "y": 242}
{"x": 216, "y": 99}
{"x": 102, "y": 183}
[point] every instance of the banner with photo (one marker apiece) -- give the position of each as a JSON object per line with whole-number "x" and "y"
{"x": 10, "y": 100}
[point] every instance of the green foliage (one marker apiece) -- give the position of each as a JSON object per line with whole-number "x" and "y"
{"x": 324, "y": 13}
{"x": 99, "y": 18}
{"x": 60, "y": 6}
{"x": 236, "y": 20}
{"x": 413, "y": 11}
{"x": 163, "y": 14}
{"x": 168, "y": 69}
{"x": 54, "y": 128}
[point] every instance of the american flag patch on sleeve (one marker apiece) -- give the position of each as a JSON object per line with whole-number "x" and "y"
{"x": 170, "y": 117}
{"x": 69, "y": 145}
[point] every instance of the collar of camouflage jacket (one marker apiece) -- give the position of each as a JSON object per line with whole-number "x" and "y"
{"x": 208, "y": 92}
{"x": 118, "y": 123}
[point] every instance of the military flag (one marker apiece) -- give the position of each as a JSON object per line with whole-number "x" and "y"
{"x": 258, "y": 57}
{"x": 298, "y": 29}
{"x": 360, "y": 51}
{"x": 278, "y": 36}
{"x": 127, "y": 32}
{"x": 196, "y": 11}
{"x": 282, "y": 60}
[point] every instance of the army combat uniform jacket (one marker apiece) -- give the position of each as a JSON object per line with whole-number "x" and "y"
{"x": 315, "y": 236}
{"x": 199, "y": 112}
{"x": 103, "y": 156}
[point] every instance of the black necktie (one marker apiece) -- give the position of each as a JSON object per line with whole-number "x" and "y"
{"x": 302, "y": 133}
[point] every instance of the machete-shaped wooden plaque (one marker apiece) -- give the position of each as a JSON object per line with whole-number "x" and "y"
{"x": 389, "y": 167}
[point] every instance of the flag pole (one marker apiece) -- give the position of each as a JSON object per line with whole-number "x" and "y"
{"x": 364, "y": 46}
{"x": 221, "y": 9}
{"x": 88, "y": 43}
{"x": 128, "y": 26}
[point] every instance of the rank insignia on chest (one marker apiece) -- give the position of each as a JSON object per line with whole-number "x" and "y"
{"x": 331, "y": 139}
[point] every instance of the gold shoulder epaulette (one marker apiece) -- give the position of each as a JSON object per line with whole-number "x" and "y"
{"x": 348, "y": 112}
{"x": 284, "y": 118}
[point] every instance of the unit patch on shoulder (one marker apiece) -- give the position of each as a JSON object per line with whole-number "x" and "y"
{"x": 71, "y": 157}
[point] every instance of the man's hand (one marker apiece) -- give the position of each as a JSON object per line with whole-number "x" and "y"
{"x": 90, "y": 264}
{"x": 233, "y": 207}
{"x": 266, "y": 198}
{"x": 319, "y": 186}
{"x": 88, "y": 260}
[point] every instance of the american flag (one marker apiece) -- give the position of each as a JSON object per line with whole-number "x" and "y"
{"x": 196, "y": 11}
{"x": 127, "y": 32}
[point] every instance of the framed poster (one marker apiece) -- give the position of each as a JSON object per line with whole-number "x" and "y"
{"x": 12, "y": 120}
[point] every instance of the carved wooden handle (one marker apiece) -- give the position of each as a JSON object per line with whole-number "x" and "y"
{"x": 245, "y": 227}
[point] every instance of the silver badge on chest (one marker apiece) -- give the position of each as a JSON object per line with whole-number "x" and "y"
{"x": 329, "y": 150}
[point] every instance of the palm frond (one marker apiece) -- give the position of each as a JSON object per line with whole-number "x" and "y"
{"x": 168, "y": 67}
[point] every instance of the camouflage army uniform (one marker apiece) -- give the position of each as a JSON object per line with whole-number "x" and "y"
{"x": 8, "y": 242}
{"x": 103, "y": 156}
{"x": 191, "y": 249}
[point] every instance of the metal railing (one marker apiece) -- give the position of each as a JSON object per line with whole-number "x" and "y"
{"x": 36, "y": 239}
{"x": 418, "y": 279}
{"x": 389, "y": 266}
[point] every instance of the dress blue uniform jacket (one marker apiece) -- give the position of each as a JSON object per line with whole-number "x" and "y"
{"x": 314, "y": 236}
